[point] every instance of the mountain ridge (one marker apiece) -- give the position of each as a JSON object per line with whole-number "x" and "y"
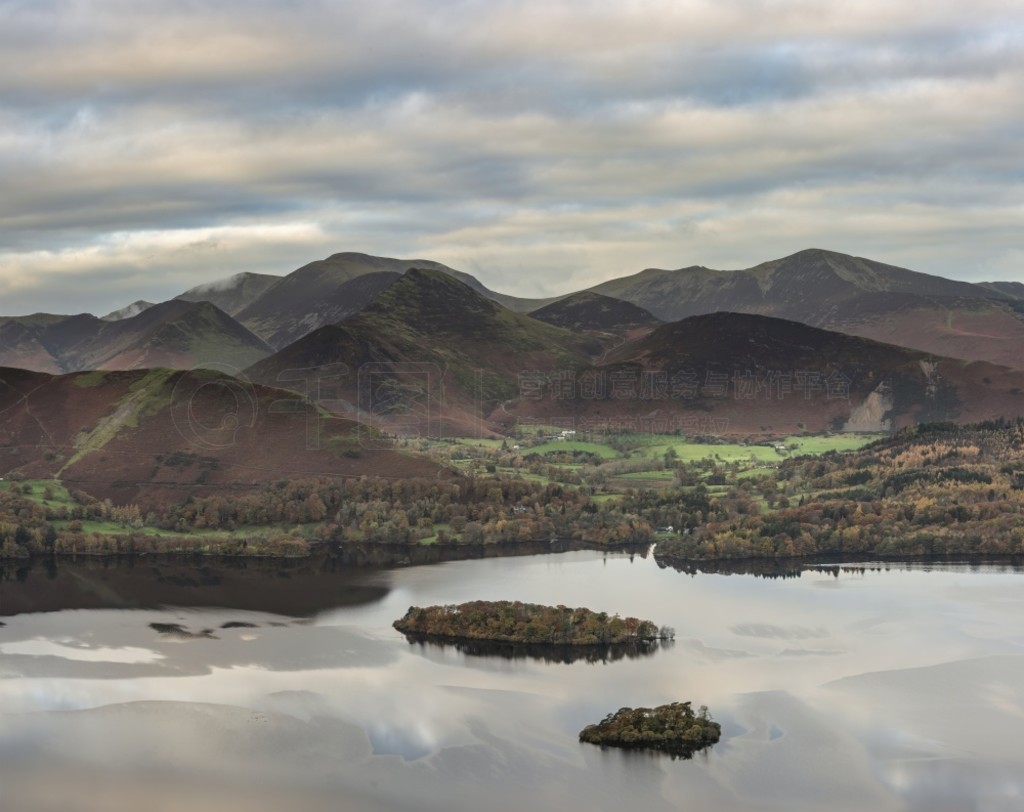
{"x": 172, "y": 333}
{"x": 472, "y": 345}
{"x": 747, "y": 374}
{"x": 840, "y": 292}
{"x": 157, "y": 435}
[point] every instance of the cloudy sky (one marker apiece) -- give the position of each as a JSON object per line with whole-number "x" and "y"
{"x": 542, "y": 146}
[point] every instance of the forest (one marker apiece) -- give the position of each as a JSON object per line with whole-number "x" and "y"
{"x": 293, "y": 516}
{"x": 932, "y": 490}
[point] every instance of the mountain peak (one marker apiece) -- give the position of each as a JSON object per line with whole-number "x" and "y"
{"x": 809, "y": 253}
{"x": 431, "y": 300}
{"x": 128, "y": 311}
{"x": 232, "y": 294}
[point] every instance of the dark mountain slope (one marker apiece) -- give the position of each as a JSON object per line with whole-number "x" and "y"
{"x": 849, "y": 294}
{"x": 806, "y": 286}
{"x": 467, "y": 349}
{"x": 176, "y": 334}
{"x": 310, "y": 297}
{"x": 593, "y": 311}
{"x": 327, "y": 291}
{"x": 331, "y": 305}
{"x": 746, "y": 374}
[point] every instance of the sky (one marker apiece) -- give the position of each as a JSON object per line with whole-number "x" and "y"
{"x": 541, "y": 146}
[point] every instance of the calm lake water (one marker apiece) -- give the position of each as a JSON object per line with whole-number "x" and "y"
{"x": 890, "y": 687}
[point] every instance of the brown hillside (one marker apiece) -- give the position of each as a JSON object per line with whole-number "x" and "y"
{"x": 158, "y": 435}
{"x": 729, "y": 373}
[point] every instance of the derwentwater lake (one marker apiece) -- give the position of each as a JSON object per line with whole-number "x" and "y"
{"x": 159, "y": 685}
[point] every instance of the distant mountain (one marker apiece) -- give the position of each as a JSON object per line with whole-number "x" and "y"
{"x": 428, "y": 337}
{"x": 971, "y": 329}
{"x": 839, "y": 292}
{"x": 317, "y": 294}
{"x": 156, "y": 436}
{"x": 230, "y": 294}
{"x": 809, "y": 285}
{"x": 175, "y": 334}
{"x": 34, "y": 342}
{"x": 832, "y": 291}
{"x": 595, "y": 312}
{"x": 730, "y": 373}
{"x": 233, "y": 294}
{"x": 127, "y": 312}
{"x": 307, "y": 302}
{"x": 330, "y": 290}
{"x": 271, "y": 309}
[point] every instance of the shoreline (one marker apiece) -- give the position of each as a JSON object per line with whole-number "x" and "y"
{"x": 399, "y": 555}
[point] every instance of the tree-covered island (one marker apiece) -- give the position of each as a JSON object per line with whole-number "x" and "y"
{"x": 672, "y": 728}
{"x": 517, "y": 622}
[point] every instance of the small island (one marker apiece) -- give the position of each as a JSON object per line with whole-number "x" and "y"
{"x": 674, "y": 729}
{"x": 529, "y": 623}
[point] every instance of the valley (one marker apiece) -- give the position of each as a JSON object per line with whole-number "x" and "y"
{"x": 401, "y": 404}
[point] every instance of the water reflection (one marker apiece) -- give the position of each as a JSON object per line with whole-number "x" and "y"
{"x": 607, "y": 653}
{"x": 343, "y": 576}
{"x": 790, "y": 568}
{"x": 294, "y": 587}
{"x": 855, "y": 686}
{"x": 175, "y": 631}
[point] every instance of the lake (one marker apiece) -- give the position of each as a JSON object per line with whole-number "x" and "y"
{"x": 881, "y": 687}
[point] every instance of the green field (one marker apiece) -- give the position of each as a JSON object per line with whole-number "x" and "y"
{"x": 116, "y": 529}
{"x": 821, "y": 444}
{"x": 751, "y": 473}
{"x": 605, "y": 452}
{"x": 656, "y": 447}
{"x": 37, "y": 491}
{"x": 659, "y": 475}
{"x": 481, "y": 442}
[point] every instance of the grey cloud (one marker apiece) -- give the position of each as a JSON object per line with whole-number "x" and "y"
{"x": 348, "y": 54}
{"x": 555, "y": 143}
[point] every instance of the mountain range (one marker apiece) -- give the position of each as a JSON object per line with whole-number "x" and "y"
{"x": 177, "y": 334}
{"x": 814, "y": 341}
{"x": 852, "y": 295}
{"x": 826, "y": 289}
{"x": 429, "y": 338}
